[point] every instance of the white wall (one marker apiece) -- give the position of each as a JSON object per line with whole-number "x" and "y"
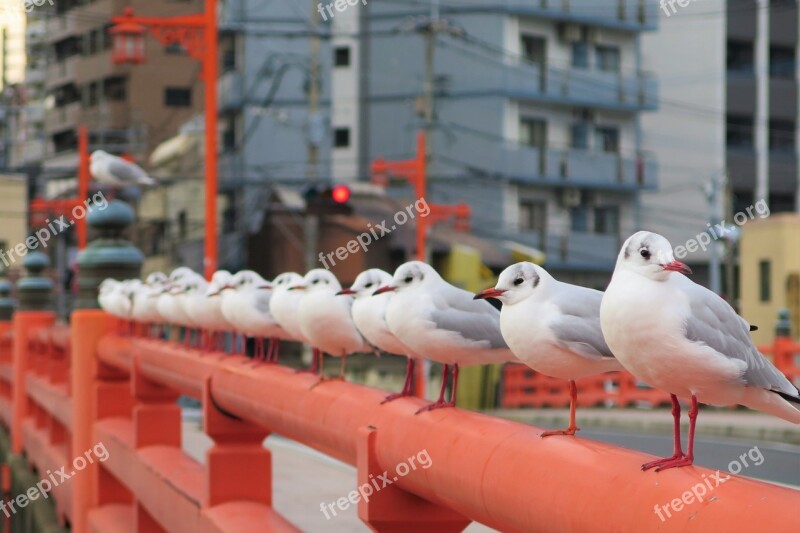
{"x": 687, "y": 133}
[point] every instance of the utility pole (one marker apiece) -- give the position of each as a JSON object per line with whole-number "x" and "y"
{"x": 715, "y": 210}
{"x": 730, "y": 244}
{"x": 762, "y": 101}
{"x": 313, "y": 133}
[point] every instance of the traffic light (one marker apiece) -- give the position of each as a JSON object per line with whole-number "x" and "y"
{"x": 328, "y": 200}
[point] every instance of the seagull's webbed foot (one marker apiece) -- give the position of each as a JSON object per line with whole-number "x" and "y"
{"x": 569, "y": 431}
{"x": 661, "y": 464}
{"x": 439, "y": 404}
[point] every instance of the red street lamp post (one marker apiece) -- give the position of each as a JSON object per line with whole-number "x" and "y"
{"x": 197, "y": 33}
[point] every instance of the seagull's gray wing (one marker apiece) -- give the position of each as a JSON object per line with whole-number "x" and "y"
{"x": 578, "y": 327}
{"x": 475, "y": 320}
{"x": 127, "y": 171}
{"x": 713, "y": 322}
{"x": 261, "y": 299}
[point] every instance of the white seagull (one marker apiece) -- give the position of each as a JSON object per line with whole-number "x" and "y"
{"x": 325, "y": 319}
{"x": 369, "y": 315}
{"x": 284, "y": 306}
{"x": 552, "y": 327}
{"x": 682, "y": 338}
{"x": 113, "y": 170}
{"x": 443, "y": 323}
{"x": 145, "y": 301}
{"x": 168, "y": 305}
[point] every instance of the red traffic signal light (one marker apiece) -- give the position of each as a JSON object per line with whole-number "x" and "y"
{"x": 340, "y": 194}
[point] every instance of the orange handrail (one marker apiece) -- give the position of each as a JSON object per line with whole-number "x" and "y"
{"x": 121, "y": 391}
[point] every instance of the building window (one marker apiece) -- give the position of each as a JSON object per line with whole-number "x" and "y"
{"x": 533, "y": 132}
{"x": 341, "y": 137}
{"x": 532, "y": 215}
{"x": 341, "y": 56}
{"x": 177, "y": 97}
{"x": 92, "y": 94}
{"x": 579, "y": 136}
{"x": 606, "y": 220}
{"x": 764, "y": 281}
{"x": 579, "y": 218}
{"x": 607, "y": 139}
{"x": 607, "y": 58}
{"x": 781, "y": 135}
{"x": 534, "y": 49}
{"x": 175, "y": 49}
{"x": 183, "y": 225}
{"x": 115, "y": 88}
{"x": 739, "y": 131}
{"x": 580, "y": 54}
{"x": 229, "y": 134}
{"x": 740, "y": 57}
{"x": 781, "y": 62}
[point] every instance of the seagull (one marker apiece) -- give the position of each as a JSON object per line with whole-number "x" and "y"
{"x": 113, "y": 170}
{"x": 326, "y": 320}
{"x": 107, "y": 295}
{"x": 168, "y": 305}
{"x": 552, "y": 327}
{"x": 215, "y": 321}
{"x": 369, "y": 315}
{"x": 145, "y": 300}
{"x": 682, "y": 338}
{"x": 116, "y": 298}
{"x": 245, "y": 304}
{"x": 284, "y": 306}
{"x": 443, "y": 322}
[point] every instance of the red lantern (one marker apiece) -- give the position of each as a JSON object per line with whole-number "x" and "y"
{"x": 128, "y": 38}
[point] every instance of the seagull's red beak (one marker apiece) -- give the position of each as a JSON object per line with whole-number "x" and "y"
{"x": 489, "y": 293}
{"x": 386, "y": 288}
{"x": 265, "y": 286}
{"x": 677, "y": 266}
{"x": 345, "y": 291}
{"x": 297, "y": 288}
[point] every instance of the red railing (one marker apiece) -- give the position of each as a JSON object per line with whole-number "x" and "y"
{"x": 523, "y": 387}
{"x": 88, "y": 385}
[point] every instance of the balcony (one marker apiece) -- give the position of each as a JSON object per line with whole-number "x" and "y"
{"x": 61, "y": 72}
{"x": 60, "y": 27}
{"x": 583, "y": 87}
{"x": 630, "y": 15}
{"x": 553, "y": 166}
{"x": 62, "y": 118}
{"x": 230, "y": 90}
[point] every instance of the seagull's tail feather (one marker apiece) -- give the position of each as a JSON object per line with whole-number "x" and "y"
{"x": 774, "y": 403}
{"x": 146, "y": 180}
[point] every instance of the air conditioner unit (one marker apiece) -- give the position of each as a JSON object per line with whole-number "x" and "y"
{"x": 570, "y": 197}
{"x": 570, "y": 33}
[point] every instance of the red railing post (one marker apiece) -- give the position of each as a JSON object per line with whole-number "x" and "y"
{"x": 25, "y": 323}
{"x": 391, "y": 509}
{"x": 238, "y": 467}
{"x": 88, "y": 327}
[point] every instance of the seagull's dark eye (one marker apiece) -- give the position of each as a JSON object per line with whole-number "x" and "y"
{"x": 518, "y": 281}
{"x": 644, "y": 252}
{"x": 315, "y": 282}
{"x": 409, "y": 279}
{"x": 368, "y": 285}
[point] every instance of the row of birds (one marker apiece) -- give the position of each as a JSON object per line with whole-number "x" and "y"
{"x": 652, "y": 320}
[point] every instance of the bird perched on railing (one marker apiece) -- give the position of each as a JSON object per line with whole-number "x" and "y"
{"x": 245, "y": 304}
{"x": 369, "y": 315}
{"x": 116, "y": 298}
{"x": 552, "y": 327}
{"x": 145, "y": 300}
{"x": 682, "y": 338}
{"x": 443, "y": 323}
{"x": 115, "y": 171}
{"x": 284, "y": 306}
{"x": 168, "y": 305}
{"x": 325, "y": 318}
{"x": 209, "y": 311}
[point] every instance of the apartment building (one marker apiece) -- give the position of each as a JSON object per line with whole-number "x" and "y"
{"x": 536, "y": 121}
{"x": 127, "y": 108}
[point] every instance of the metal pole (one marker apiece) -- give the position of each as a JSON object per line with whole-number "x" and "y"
{"x": 210, "y": 78}
{"x": 762, "y": 101}
{"x": 312, "y": 221}
{"x": 83, "y": 181}
{"x": 715, "y": 210}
